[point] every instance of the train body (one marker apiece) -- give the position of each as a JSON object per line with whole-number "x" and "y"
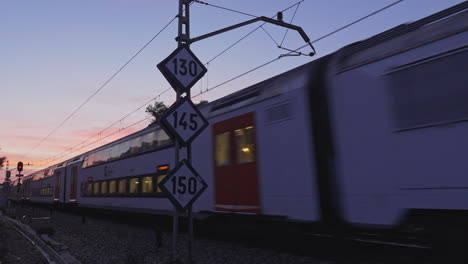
{"x": 369, "y": 134}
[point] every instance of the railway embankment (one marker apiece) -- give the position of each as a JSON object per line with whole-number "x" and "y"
{"x": 15, "y": 248}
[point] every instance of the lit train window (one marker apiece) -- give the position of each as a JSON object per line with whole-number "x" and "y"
{"x": 134, "y": 184}
{"x": 123, "y": 186}
{"x": 112, "y": 187}
{"x": 89, "y": 191}
{"x": 160, "y": 178}
{"x": 245, "y": 151}
{"x": 96, "y": 188}
{"x": 222, "y": 146}
{"x": 104, "y": 187}
{"x": 147, "y": 184}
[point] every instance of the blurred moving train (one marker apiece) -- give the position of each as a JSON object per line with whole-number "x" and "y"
{"x": 375, "y": 133}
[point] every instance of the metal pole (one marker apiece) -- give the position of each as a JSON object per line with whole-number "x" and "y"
{"x": 183, "y": 36}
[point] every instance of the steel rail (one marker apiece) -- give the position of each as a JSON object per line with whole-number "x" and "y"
{"x": 50, "y": 254}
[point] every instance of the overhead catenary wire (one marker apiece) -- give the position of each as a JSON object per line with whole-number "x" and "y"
{"x": 266, "y": 63}
{"x": 224, "y": 8}
{"x": 352, "y": 23}
{"x": 101, "y": 87}
{"x": 72, "y": 150}
{"x": 94, "y": 142}
{"x": 293, "y": 51}
{"x": 290, "y": 22}
{"x": 248, "y": 34}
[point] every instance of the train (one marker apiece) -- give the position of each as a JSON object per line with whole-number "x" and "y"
{"x": 374, "y": 134}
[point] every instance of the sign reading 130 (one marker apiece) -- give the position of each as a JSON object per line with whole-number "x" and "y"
{"x": 182, "y": 67}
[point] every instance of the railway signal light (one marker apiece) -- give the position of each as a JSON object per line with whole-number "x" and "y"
{"x": 19, "y": 167}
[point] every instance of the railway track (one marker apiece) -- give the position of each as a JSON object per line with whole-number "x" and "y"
{"x": 359, "y": 247}
{"x": 50, "y": 254}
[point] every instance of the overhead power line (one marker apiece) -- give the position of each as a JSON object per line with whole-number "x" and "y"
{"x": 100, "y": 88}
{"x": 247, "y": 72}
{"x": 224, "y": 8}
{"x": 294, "y": 51}
{"x": 72, "y": 150}
{"x": 248, "y": 34}
{"x": 352, "y": 23}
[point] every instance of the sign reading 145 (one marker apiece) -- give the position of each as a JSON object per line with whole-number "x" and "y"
{"x": 182, "y": 120}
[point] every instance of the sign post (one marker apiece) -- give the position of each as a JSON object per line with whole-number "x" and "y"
{"x": 183, "y": 122}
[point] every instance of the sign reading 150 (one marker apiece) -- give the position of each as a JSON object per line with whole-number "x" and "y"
{"x": 180, "y": 67}
{"x": 181, "y": 186}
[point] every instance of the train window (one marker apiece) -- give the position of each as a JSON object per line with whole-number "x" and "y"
{"x": 123, "y": 186}
{"x": 160, "y": 178}
{"x": 104, "y": 187}
{"x": 89, "y": 190}
{"x": 147, "y": 141}
{"x": 222, "y": 146}
{"x": 96, "y": 188}
{"x": 114, "y": 153}
{"x": 422, "y": 97}
{"x": 245, "y": 151}
{"x": 112, "y": 187}
{"x": 135, "y": 145}
{"x": 134, "y": 185}
{"x": 147, "y": 184}
{"x": 162, "y": 138}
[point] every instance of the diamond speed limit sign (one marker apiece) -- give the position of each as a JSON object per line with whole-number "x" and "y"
{"x": 182, "y": 68}
{"x": 183, "y": 185}
{"x": 183, "y": 121}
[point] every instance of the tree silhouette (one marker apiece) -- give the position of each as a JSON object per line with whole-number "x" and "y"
{"x": 202, "y": 102}
{"x": 156, "y": 111}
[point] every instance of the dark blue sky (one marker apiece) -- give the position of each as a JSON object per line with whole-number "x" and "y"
{"x": 54, "y": 54}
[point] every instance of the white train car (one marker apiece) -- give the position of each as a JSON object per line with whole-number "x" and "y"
{"x": 245, "y": 172}
{"x": 372, "y": 134}
{"x": 399, "y": 112}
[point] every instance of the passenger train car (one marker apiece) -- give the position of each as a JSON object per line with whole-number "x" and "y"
{"x": 373, "y": 134}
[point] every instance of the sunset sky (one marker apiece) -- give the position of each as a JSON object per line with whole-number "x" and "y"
{"x": 55, "y": 54}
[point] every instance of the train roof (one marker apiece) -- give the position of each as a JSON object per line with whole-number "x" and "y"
{"x": 406, "y": 36}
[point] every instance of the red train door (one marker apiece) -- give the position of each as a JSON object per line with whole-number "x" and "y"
{"x": 57, "y": 186}
{"x": 73, "y": 184}
{"x": 235, "y": 165}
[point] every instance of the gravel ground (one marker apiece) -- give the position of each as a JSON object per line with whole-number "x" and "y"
{"x": 15, "y": 249}
{"x": 99, "y": 241}
{"x": 103, "y": 241}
